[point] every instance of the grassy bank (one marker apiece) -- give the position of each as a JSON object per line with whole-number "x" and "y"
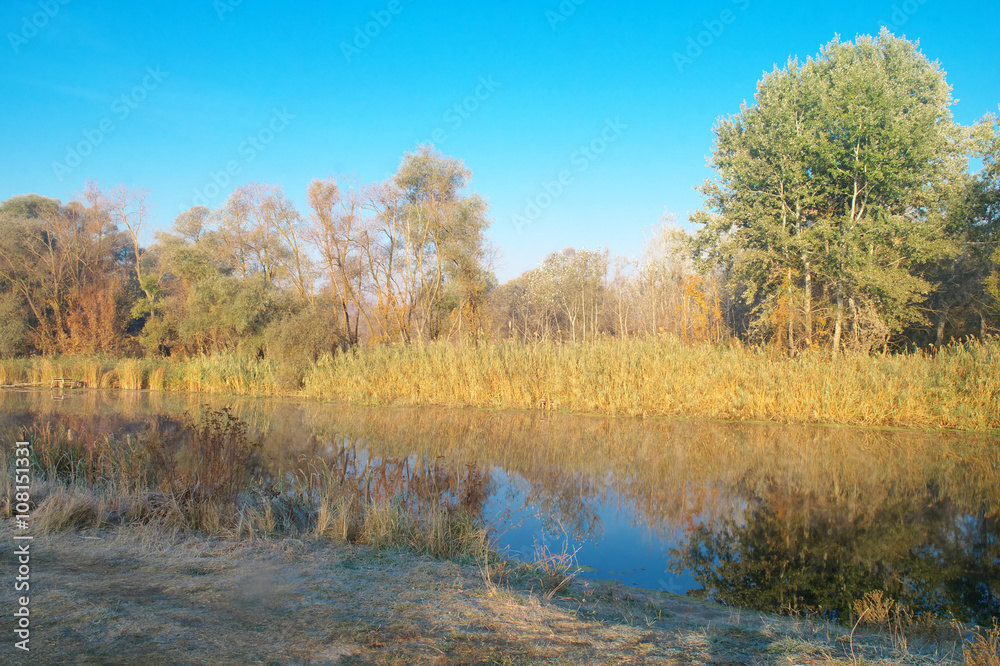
{"x": 959, "y": 387}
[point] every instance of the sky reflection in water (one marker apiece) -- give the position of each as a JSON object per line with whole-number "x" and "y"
{"x": 761, "y": 515}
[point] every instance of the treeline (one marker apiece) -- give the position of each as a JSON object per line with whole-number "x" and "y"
{"x": 399, "y": 261}
{"x": 845, "y": 215}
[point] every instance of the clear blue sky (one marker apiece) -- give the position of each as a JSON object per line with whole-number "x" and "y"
{"x": 164, "y": 94}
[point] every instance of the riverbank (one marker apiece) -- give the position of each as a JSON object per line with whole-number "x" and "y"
{"x": 956, "y": 388}
{"x": 161, "y": 596}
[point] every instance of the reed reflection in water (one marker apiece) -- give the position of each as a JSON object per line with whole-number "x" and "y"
{"x": 760, "y": 515}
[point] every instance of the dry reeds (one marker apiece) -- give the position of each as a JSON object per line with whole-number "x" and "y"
{"x": 130, "y": 374}
{"x": 204, "y": 475}
{"x": 982, "y": 647}
{"x": 956, "y": 387}
{"x": 959, "y": 387}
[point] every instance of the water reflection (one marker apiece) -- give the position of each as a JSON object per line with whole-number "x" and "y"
{"x": 417, "y": 482}
{"x": 783, "y": 553}
{"x": 765, "y": 516}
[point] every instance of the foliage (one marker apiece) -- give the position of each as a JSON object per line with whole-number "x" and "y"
{"x": 298, "y": 340}
{"x": 226, "y": 312}
{"x": 833, "y": 186}
{"x": 563, "y": 299}
{"x": 66, "y": 266}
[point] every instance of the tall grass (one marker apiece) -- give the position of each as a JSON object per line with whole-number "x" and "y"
{"x": 957, "y": 387}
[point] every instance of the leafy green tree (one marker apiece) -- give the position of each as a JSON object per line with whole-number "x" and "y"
{"x": 187, "y": 254}
{"x": 30, "y": 206}
{"x": 987, "y": 215}
{"x": 835, "y": 184}
{"x": 228, "y": 313}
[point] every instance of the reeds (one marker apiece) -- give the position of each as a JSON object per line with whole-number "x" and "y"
{"x": 131, "y": 373}
{"x": 388, "y": 524}
{"x": 982, "y": 646}
{"x": 957, "y": 387}
{"x": 204, "y": 475}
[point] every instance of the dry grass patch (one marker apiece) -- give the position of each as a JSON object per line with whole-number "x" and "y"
{"x": 154, "y": 595}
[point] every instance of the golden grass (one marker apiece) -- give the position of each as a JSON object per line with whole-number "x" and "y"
{"x": 958, "y": 387}
{"x": 157, "y": 377}
{"x": 130, "y": 374}
{"x": 14, "y": 370}
{"x": 980, "y": 645}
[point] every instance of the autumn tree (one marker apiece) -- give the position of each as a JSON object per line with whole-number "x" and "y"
{"x": 261, "y": 232}
{"x": 337, "y": 230}
{"x": 443, "y": 236}
{"x": 407, "y": 257}
{"x": 127, "y": 208}
{"x": 564, "y": 298}
{"x": 67, "y": 268}
{"x": 669, "y": 295}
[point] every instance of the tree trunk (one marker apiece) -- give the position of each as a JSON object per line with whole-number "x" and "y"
{"x": 838, "y": 327}
{"x": 807, "y": 305}
{"x": 857, "y": 322}
{"x": 942, "y": 320}
{"x": 791, "y": 329}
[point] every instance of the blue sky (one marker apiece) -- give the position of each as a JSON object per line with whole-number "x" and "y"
{"x": 616, "y": 100}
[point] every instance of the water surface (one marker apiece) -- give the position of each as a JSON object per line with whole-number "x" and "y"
{"x": 757, "y": 515}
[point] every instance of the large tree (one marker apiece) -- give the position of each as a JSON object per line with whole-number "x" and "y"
{"x": 986, "y": 227}
{"x": 832, "y": 187}
{"x": 408, "y": 256}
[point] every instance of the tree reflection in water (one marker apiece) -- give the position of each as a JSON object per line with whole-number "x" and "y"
{"x": 769, "y": 516}
{"x": 784, "y": 554}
